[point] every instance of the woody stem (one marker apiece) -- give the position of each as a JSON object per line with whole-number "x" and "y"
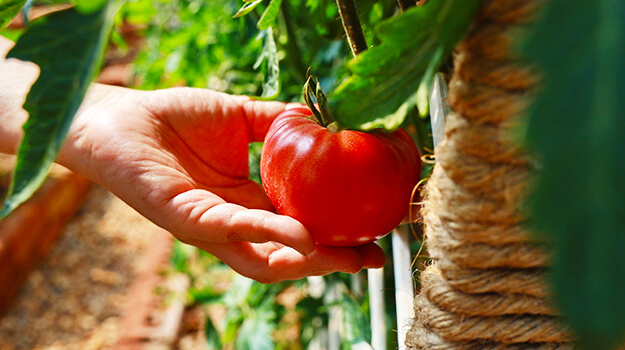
{"x": 352, "y": 26}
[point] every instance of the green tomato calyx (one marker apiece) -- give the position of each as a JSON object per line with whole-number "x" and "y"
{"x": 313, "y": 93}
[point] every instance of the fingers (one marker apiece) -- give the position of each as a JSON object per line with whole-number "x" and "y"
{"x": 327, "y": 259}
{"x": 268, "y": 263}
{"x": 283, "y": 249}
{"x": 260, "y": 115}
{"x": 250, "y": 195}
{"x": 373, "y": 255}
{"x": 199, "y": 217}
{"x": 259, "y": 226}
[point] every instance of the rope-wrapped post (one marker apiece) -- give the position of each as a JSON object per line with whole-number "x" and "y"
{"x": 485, "y": 286}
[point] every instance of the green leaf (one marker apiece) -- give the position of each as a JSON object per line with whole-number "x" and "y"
{"x": 89, "y": 6}
{"x": 356, "y": 325}
{"x": 68, "y": 47}
{"x": 314, "y": 317}
{"x": 576, "y": 127}
{"x": 271, "y": 70}
{"x": 312, "y": 4}
{"x": 206, "y": 295}
{"x": 270, "y": 14}
{"x": 385, "y": 79}
{"x": 247, "y": 8}
{"x": 8, "y": 10}
{"x": 256, "y": 330}
{"x": 233, "y": 320}
{"x": 255, "y": 149}
{"x": 180, "y": 256}
{"x": 238, "y": 292}
{"x": 212, "y": 335}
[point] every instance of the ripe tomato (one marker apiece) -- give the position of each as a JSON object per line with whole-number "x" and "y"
{"x": 348, "y": 187}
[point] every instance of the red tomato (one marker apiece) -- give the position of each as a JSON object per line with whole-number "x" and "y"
{"x": 347, "y": 188}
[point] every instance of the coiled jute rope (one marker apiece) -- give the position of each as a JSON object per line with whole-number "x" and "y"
{"x": 484, "y": 288}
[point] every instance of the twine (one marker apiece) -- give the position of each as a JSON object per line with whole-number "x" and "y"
{"x": 438, "y": 291}
{"x": 490, "y": 143}
{"x": 424, "y": 338}
{"x": 460, "y": 204}
{"x": 527, "y": 281}
{"x": 485, "y": 286}
{"x": 483, "y": 103}
{"x": 500, "y": 329}
{"x": 481, "y": 255}
{"x": 509, "y": 75}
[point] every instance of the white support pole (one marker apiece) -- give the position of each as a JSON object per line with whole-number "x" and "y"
{"x": 316, "y": 289}
{"x": 375, "y": 278}
{"x": 335, "y": 317}
{"x": 404, "y": 288}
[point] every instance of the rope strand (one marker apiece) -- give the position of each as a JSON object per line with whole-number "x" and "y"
{"x": 485, "y": 288}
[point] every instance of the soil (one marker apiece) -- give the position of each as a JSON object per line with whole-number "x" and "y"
{"x": 75, "y": 297}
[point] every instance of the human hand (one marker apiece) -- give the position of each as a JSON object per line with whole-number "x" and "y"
{"x": 180, "y": 157}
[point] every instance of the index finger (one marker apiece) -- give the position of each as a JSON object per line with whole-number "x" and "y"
{"x": 260, "y": 115}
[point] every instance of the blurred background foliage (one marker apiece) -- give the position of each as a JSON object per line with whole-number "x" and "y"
{"x": 198, "y": 43}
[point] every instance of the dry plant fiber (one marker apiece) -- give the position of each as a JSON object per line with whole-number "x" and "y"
{"x": 485, "y": 286}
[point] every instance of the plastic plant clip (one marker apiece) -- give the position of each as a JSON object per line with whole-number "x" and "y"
{"x": 439, "y": 107}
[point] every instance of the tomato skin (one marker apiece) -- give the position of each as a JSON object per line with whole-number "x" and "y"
{"x": 347, "y": 188}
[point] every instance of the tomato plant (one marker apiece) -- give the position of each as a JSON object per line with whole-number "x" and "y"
{"x": 347, "y": 187}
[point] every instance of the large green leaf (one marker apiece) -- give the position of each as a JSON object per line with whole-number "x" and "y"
{"x": 386, "y": 78}
{"x": 68, "y": 47}
{"x": 8, "y": 10}
{"x": 577, "y": 129}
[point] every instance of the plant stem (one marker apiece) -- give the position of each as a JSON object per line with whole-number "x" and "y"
{"x": 352, "y": 26}
{"x": 406, "y": 4}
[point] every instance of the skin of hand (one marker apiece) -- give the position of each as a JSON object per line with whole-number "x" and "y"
{"x": 180, "y": 157}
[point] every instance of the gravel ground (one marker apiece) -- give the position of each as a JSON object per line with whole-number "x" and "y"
{"x": 74, "y": 298}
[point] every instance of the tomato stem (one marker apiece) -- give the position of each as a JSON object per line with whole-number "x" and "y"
{"x": 333, "y": 128}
